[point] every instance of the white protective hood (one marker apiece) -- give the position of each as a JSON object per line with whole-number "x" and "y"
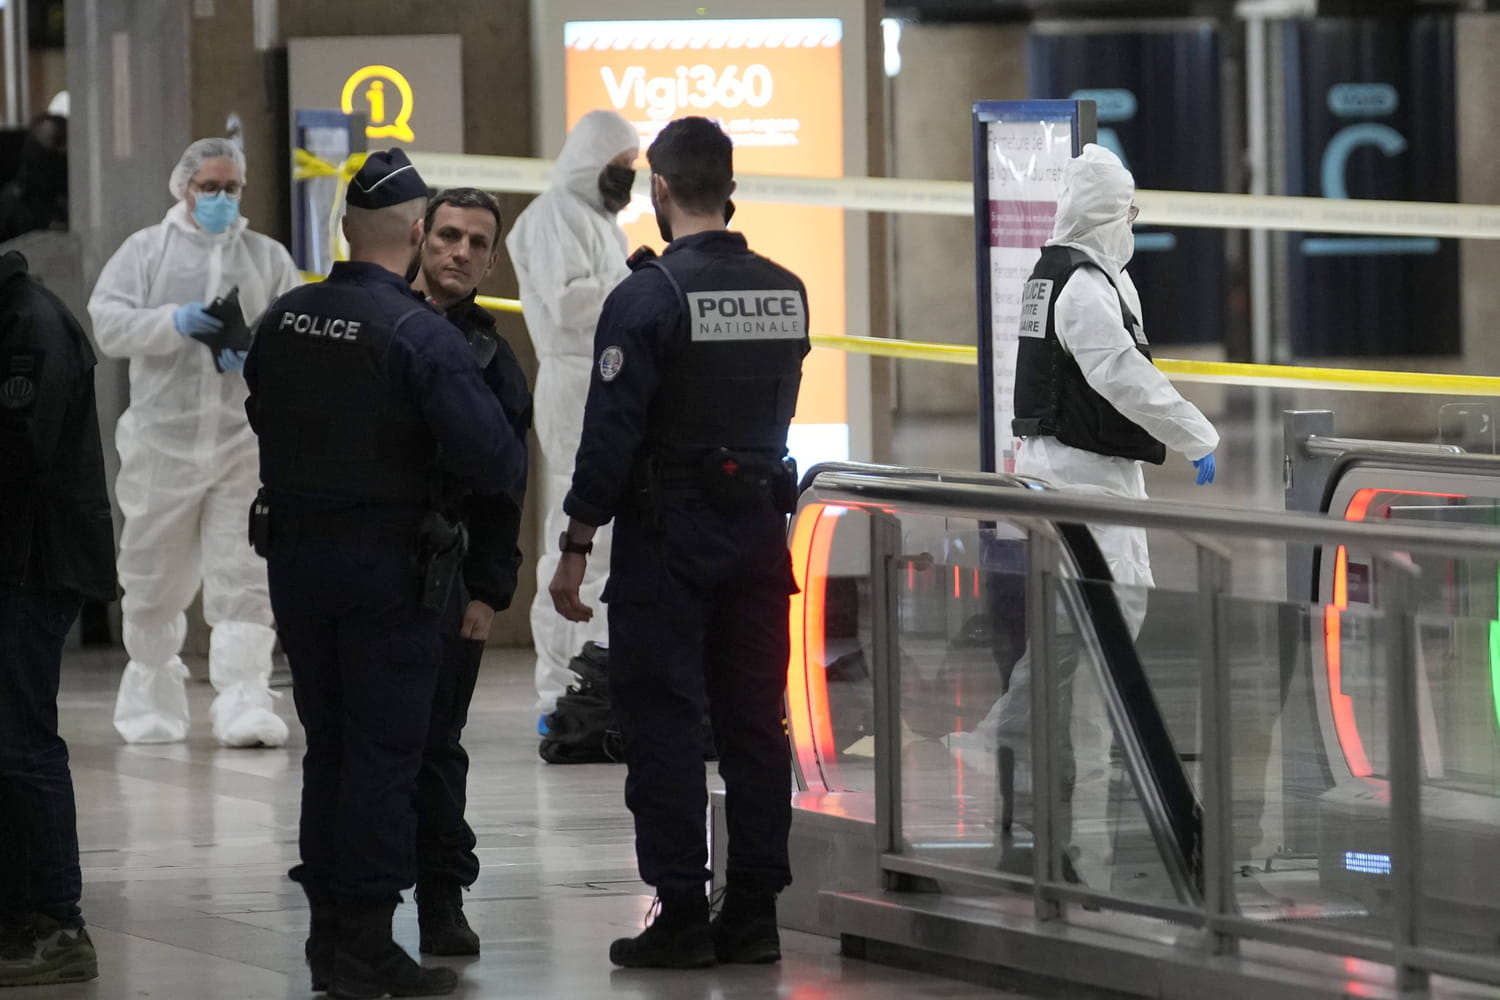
{"x": 1092, "y": 212}
{"x": 599, "y": 137}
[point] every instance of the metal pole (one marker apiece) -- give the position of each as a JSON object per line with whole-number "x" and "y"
{"x": 885, "y": 539}
{"x": 1216, "y": 714}
{"x": 1398, "y": 579}
{"x": 23, "y": 61}
{"x": 12, "y": 65}
{"x": 1041, "y": 620}
{"x": 1257, "y": 127}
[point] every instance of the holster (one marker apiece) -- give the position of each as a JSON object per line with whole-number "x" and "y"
{"x": 735, "y": 481}
{"x": 260, "y": 525}
{"x": 442, "y": 544}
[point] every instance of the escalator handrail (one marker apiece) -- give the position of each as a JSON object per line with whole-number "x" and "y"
{"x": 981, "y": 501}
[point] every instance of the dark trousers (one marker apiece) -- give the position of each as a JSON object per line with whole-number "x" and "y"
{"x": 445, "y": 841}
{"x": 38, "y": 822}
{"x": 365, "y": 660}
{"x": 698, "y": 614}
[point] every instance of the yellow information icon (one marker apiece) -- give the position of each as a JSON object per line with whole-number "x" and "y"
{"x": 380, "y": 80}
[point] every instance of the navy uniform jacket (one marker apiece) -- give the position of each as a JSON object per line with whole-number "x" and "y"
{"x": 429, "y": 368}
{"x": 640, "y": 317}
{"x": 55, "y": 527}
{"x": 493, "y": 564}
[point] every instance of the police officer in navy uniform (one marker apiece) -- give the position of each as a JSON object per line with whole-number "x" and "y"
{"x": 698, "y": 361}
{"x": 363, "y": 395}
{"x": 460, "y": 244}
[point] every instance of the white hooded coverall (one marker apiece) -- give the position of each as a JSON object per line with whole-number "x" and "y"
{"x": 189, "y": 469}
{"x": 569, "y": 253}
{"x": 1092, "y": 216}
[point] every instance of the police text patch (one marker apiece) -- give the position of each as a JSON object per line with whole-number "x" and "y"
{"x": 1035, "y": 299}
{"x": 330, "y": 327}
{"x": 745, "y": 314}
{"x": 611, "y": 360}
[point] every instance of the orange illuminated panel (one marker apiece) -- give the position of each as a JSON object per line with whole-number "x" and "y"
{"x": 808, "y": 720}
{"x": 776, "y": 86}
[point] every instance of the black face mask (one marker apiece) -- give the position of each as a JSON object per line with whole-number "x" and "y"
{"x": 728, "y": 212}
{"x": 614, "y": 185}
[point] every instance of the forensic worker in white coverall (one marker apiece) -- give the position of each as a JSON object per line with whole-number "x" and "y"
{"x": 1090, "y": 406}
{"x": 189, "y": 467}
{"x": 569, "y": 253}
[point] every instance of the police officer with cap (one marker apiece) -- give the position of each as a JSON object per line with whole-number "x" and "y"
{"x": 363, "y": 396}
{"x": 698, "y": 361}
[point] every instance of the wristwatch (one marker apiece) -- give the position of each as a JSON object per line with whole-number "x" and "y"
{"x": 568, "y": 545}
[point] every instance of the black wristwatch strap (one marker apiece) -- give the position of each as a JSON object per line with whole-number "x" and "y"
{"x": 568, "y": 545}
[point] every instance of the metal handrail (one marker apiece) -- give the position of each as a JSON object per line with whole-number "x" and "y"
{"x": 1320, "y": 445}
{"x": 979, "y": 502}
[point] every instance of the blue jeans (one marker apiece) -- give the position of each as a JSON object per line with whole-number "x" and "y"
{"x": 38, "y": 823}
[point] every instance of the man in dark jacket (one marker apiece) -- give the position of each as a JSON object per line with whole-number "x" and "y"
{"x": 461, "y": 240}
{"x": 56, "y": 548}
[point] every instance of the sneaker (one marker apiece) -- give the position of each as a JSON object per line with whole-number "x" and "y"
{"x": 677, "y": 939}
{"x": 48, "y": 952}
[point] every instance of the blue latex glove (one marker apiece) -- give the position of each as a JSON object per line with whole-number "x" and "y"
{"x": 231, "y": 360}
{"x": 1205, "y": 467}
{"x": 193, "y": 318}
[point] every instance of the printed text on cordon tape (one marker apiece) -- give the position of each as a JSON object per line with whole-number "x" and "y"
{"x": 1159, "y": 208}
{"x": 1210, "y": 372}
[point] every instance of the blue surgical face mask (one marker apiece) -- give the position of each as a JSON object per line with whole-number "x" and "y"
{"x": 216, "y": 212}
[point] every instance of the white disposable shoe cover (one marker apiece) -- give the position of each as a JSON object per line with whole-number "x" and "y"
{"x": 152, "y": 705}
{"x": 242, "y": 717}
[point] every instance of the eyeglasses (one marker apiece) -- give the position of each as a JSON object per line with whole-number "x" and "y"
{"x": 231, "y": 188}
{"x": 1130, "y": 215}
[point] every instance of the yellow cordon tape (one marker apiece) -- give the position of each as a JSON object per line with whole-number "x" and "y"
{"x": 1210, "y": 372}
{"x": 490, "y": 302}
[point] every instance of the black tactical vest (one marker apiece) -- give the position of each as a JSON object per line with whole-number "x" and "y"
{"x": 330, "y": 423}
{"x": 732, "y": 373}
{"x": 1052, "y": 398}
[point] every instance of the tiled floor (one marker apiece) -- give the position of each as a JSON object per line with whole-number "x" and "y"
{"x": 185, "y": 852}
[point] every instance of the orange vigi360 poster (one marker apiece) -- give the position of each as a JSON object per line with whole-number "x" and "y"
{"x": 776, "y": 86}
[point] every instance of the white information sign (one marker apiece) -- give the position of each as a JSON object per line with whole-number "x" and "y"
{"x": 1026, "y": 160}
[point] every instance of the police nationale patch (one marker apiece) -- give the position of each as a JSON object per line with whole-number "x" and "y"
{"x": 17, "y": 392}
{"x": 611, "y": 360}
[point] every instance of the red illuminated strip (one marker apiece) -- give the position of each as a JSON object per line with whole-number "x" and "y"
{"x": 808, "y": 718}
{"x": 1345, "y": 722}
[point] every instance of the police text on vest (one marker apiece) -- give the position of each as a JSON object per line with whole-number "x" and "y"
{"x": 332, "y": 327}
{"x": 744, "y": 314}
{"x": 1034, "y": 301}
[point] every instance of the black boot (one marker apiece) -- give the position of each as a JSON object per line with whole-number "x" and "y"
{"x": 440, "y": 918}
{"x": 744, "y": 930}
{"x": 677, "y": 939}
{"x": 322, "y": 936}
{"x": 368, "y": 964}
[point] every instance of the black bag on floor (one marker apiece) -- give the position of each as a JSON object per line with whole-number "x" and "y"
{"x": 582, "y": 729}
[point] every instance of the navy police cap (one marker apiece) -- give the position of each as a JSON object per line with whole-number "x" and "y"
{"x": 387, "y": 178}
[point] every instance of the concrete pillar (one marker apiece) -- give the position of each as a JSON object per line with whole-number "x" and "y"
{"x": 1479, "y": 183}
{"x": 945, "y": 68}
